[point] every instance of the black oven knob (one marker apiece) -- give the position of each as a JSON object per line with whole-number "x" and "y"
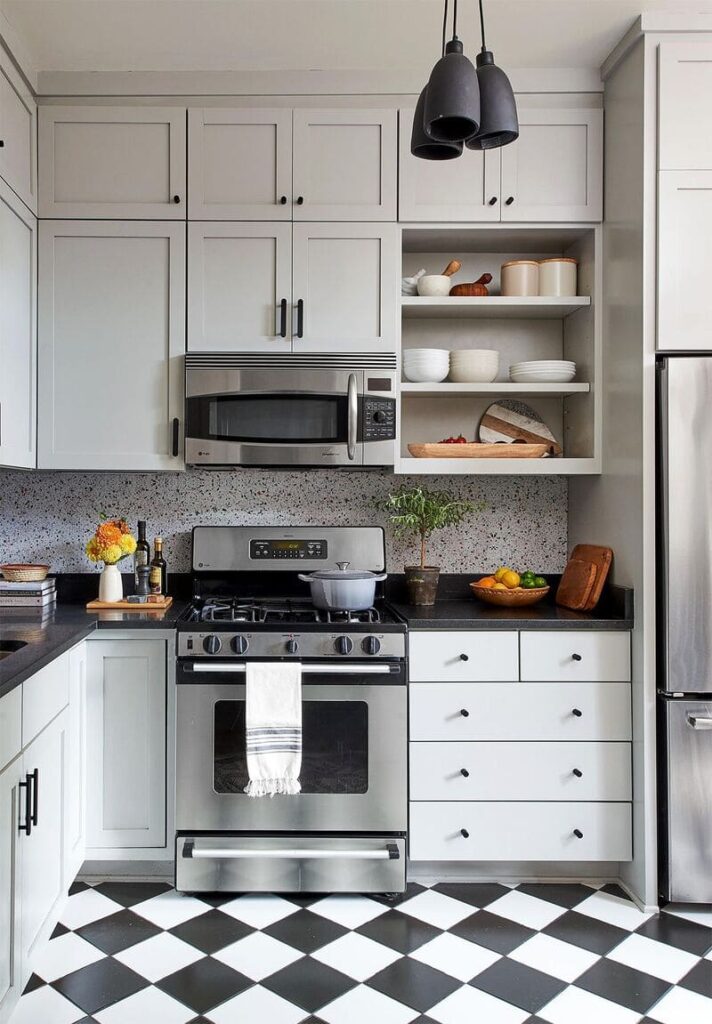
{"x": 379, "y": 416}
{"x": 344, "y": 645}
{"x": 371, "y": 645}
{"x": 212, "y": 644}
{"x": 292, "y": 646}
{"x": 239, "y": 644}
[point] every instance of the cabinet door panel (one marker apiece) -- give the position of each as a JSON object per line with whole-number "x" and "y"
{"x": 75, "y": 796}
{"x": 344, "y": 275}
{"x": 462, "y": 189}
{"x": 553, "y": 172}
{"x": 18, "y": 336}
{"x": 112, "y": 336}
{"x": 345, "y": 164}
{"x": 237, "y": 276}
{"x": 126, "y": 744}
{"x": 685, "y": 82}
{"x": 10, "y": 876}
{"x": 240, "y": 164}
{"x": 461, "y": 656}
{"x": 113, "y": 162}
{"x": 575, "y": 656}
{"x": 18, "y": 131}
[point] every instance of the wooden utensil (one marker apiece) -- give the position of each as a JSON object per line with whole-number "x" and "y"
{"x": 130, "y": 606}
{"x": 584, "y": 578}
{"x": 452, "y": 268}
{"x": 509, "y": 421}
{"x": 478, "y": 287}
{"x": 477, "y": 450}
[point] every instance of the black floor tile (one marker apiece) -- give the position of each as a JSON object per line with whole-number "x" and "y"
{"x": 615, "y": 890}
{"x": 305, "y": 931}
{"x": 215, "y": 899}
{"x": 568, "y": 896}
{"x": 412, "y": 889}
{"x": 76, "y": 887}
{"x": 303, "y": 899}
{"x": 586, "y": 932}
{"x": 59, "y": 930}
{"x": 699, "y": 979}
{"x": 399, "y": 931}
{"x": 477, "y": 894}
{"x": 34, "y": 982}
{"x": 212, "y": 931}
{"x": 676, "y": 931}
{"x": 118, "y": 931}
{"x": 128, "y": 894}
{"x": 518, "y": 984}
{"x": 309, "y": 984}
{"x": 492, "y": 931}
{"x": 204, "y": 984}
{"x": 100, "y": 985}
{"x": 623, "y": 985}
{"x": 417, "y": 985}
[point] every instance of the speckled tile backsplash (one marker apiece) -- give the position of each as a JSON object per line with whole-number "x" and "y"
{"x": 48, "y": 517}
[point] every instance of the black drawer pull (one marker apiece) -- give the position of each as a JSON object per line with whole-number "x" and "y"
{"x": 578, "y": 773}
{"x": 176, "y": 199}
{"x": 493, "y": 200}
{"x": 464, "y": 712}
{"x": 464, "y": 657}
{"x": 2, "y": 143}
{"x": 464, "y": 772}
{"x": 26, "y": 825}
{"x": 576, "y": 657}
{"x": 509, "y": 200}
{"x": 283, "y": 200}
{"x": 578, "y": 833}
{"x": 35, "y": 776}
{"x": 577, "y": 713}
{"x": 300, "y": 200}
{"x": 176, "y": 431}
{"x": 464, "y": 833}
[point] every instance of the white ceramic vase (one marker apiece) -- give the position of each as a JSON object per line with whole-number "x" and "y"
{"x": 111, "y": 586}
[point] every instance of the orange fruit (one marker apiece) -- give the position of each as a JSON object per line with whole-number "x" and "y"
{"x": 486, "y": 581}
{"x": 511, "y": 579}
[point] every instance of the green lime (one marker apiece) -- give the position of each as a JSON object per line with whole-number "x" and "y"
{"x": 539, "y": 581}
{"x": 528, "y": 582}
{"x": 527, "y": 574}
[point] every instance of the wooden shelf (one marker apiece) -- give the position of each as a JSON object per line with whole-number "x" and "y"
{"x": 535, "y": 307}
{"x": 498, "y": 467}
{"x": 496, "y": 388}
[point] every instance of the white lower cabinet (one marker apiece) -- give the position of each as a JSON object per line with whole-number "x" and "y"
{"x": 75, "y": 764}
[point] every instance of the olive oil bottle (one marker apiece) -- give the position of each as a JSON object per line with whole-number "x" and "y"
{"x": 158, "y": 578}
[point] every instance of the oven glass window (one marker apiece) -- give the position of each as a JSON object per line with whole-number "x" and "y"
{"x": 287, "y": 419}
{"x": 334, "y": 747}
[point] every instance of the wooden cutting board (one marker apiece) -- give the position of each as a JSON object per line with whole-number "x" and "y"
{"x": 508, "y": 420}
{"x": 584, "y": 578}
{"x": 479, "y": 451}
{"x": 130, "y": 606}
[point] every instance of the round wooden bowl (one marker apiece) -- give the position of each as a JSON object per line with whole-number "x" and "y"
{"x": 20, "y": 573}
{"x": 518, "y": 597}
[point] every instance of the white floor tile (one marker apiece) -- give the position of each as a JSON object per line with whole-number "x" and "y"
{"x": 43, "y": 1006}
{"x": 613, "y": 910}
{"x": 454, "y": 956}
{"x": 355, "y": 955}
{"x": 574, "y": 1006}
{"x": 470, "y": 1006}
{"x": 170, "y": 909}
{"x": 349, "y": 911}
{"x": 87, "y": 906}
{"x": 159, "y": 956}
{"x": 65, "y": 954}
{"x": 259, "y": 911}
{"x": 258, "y": 955}
{"x": 679, "y": 1006}
{"x": 552, "y": 956}
{"x": 150, "y": 1005}
{"x": 257, "y": 1006}
{"x": 437, "y": 909}
{"x": 527, "y": 910}
{"x": 363, "y": 1005}
{"x": 691, "y": 912}
{"x": 652, "y": 957}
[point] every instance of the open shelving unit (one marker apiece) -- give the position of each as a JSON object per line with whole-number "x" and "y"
{"x": 491, "y": 307}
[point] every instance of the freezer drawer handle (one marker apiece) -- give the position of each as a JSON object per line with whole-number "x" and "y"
{"x": 699, "y": 721}
{"x": 233, "y": 668}
{"x": 389, "y": 852}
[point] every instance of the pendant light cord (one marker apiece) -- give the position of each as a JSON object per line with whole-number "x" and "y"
{"x": 444, "y": 27}
{"x": 482, "y": 26}
{"x": 454, "y": 19}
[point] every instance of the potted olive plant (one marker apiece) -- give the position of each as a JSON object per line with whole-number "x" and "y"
{"x": 420, "y": 512}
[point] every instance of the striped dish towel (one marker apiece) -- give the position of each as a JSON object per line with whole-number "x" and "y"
{"x": 274, "y": 728}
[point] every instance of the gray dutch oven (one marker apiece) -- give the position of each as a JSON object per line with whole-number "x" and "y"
{"x": 343, "y": 589}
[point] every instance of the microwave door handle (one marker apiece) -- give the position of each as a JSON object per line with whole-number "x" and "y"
{"x": 352, "y": 399}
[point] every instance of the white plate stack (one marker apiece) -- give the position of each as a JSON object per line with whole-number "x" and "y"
{"x": 543, "y": 371}
{"x": 426, "y": 365}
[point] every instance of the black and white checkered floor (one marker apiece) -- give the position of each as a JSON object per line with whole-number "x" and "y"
{"x": 129, "y": 953}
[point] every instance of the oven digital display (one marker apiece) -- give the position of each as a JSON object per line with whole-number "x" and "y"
{"x": 262, "y": 550}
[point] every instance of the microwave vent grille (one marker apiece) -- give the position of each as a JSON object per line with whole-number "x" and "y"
{"x": 294, "y": 361}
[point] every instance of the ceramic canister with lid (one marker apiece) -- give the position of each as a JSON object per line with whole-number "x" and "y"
{"x": 520, "y": 277}
{"x": 557, "y": 276}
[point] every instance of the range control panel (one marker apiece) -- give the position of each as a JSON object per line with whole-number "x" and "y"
{"x": 286, "y": 549}
{"x": 379, "y": 419}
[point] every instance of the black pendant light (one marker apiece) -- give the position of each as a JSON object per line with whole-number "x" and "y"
{"x": 451, "y": 108}
{"x": 499, "y": 124}
{"x": 422, "y": 144}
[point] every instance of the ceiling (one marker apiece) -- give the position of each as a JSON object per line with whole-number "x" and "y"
{"x": 227, "y": 35}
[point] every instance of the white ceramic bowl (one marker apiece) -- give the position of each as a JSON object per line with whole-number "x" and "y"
{"x": 434, "y": 285}
{"x": 425, "y": 374}
{"x": 425, "y": 353}
{"x": 474, "y": 366}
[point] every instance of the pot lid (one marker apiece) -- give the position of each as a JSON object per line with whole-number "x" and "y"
{"x": 342, "y": 572}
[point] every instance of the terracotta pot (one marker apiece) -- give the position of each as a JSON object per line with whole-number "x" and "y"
{"x": 422, "y": 584}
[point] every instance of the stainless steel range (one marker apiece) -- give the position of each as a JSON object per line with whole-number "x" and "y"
{"x": 345, "y": 831}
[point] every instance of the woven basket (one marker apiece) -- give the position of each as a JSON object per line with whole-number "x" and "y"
{"x": 24, "y": 573}
{"x": 519, "y": 597}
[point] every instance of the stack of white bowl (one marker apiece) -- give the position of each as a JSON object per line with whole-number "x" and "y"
{"x": 474, "y": 365}
{"x": 426, "y": 365}
{"x": 543, "y": 371}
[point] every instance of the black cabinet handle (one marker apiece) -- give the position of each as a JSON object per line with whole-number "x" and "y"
{"x": 464, "y": 833}
{"x": 464, "y": 712}
{"x": 576, "y": 657}
{"x": 493, "y": 201}
{"x": 577, "y": 713}
{"x": 283, "y": 318}
{"x": 2, "y": 143}
{"x": 300, "y": 200}
{"x": 509, "y": 200}
{"x": 176, "y": 199}
{"x": 300, "y": 318}
{"x": 578, "y": 773}
{"x": 464, "y": 657}
{"x": 578, "y": 833}
{"x": 464, "y": 772}
{"x": 283, "y": 200}
{"x": 35, "y": 776}
{"x": 26, "y": 825}
{"x": 176, "y": 431}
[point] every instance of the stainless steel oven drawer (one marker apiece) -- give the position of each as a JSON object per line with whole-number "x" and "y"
{"x": 293, "y": 863}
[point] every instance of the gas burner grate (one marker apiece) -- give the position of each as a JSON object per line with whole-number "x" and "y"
{"x": 297, "y": 611}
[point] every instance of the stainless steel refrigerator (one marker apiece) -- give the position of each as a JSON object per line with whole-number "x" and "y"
{"x": 685, "y": 626}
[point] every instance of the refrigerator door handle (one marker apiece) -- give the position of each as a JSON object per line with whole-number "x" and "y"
{"x": 699, "y": 721}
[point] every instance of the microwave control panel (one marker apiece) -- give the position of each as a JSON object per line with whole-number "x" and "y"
{"x": 379, "y": 419}
{"x": 285, "y": 549}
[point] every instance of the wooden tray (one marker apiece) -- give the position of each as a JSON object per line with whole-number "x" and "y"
{"x": 479, "y": 450}
{"x": 130, "y": 606}
{"x": 518, "y": 597}
{"x": 585, "y": 576}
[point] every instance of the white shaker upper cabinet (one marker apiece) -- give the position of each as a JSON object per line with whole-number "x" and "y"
{"x": 463, "y": 189}
{"x": 111, "y": 345}
{"x": 345, "y": 165}
{"x": 554, "y": 170}
{"x": 113, "y": 162}
{"x": 240, "y": 164}
{"x": 685, "y": 85}
{"x": 18, "y": 342}
{"x": 239, "y": 287}
{"x": 18, "y": 134}
{"x": 684, "y": 232}
{"x": 345, "y": 288}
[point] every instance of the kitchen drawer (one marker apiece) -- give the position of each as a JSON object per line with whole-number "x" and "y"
{"x": 570, "y": 656}
{"x": 519, "y": 711}
{"x": 520, "y": 831}
{"x": 10, "y": 726}
{"x": 520, "y": 771}
{"x": 43, "y": 696}
{"x": 460, "y": 656}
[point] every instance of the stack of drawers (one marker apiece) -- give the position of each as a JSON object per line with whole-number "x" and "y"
{"x": 520, "y": 746}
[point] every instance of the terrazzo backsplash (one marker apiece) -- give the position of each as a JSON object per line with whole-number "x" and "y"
{"x": 48, "y": 516}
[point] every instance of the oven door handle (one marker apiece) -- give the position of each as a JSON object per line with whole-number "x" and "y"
{"x": 389, "y": 852}
{"x": 239, "y": 668}
{"x": 352, "y": 402}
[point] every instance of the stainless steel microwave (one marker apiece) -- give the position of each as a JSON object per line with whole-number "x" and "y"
{"x": 294, "y": 410}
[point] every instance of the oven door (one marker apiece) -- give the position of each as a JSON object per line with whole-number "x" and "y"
{"x": 354, "y": 751}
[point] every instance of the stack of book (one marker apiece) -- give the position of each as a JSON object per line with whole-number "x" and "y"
{"x": 40, "y": 595}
